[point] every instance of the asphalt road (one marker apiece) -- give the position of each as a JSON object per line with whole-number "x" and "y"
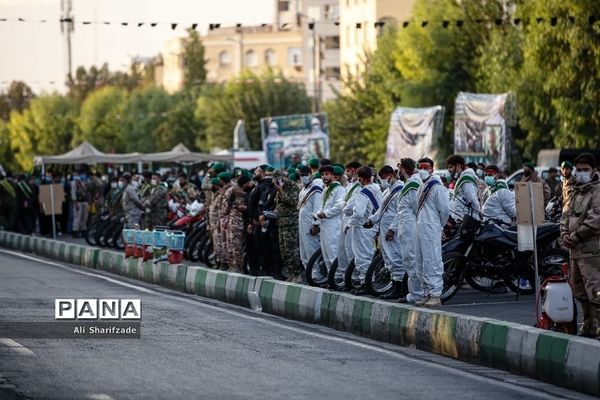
{"x": 197, "y": 348}
{"x": 506, "y": 307}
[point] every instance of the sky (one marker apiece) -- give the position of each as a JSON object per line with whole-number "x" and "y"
{"x": 36, "y": 52}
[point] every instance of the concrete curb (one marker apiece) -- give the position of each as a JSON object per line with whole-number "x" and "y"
{"x": 560, "y": 359}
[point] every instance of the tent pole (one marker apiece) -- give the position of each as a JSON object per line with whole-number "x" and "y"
{"x": 52, "y": 206}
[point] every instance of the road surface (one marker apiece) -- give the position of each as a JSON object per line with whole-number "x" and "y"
{"x": 197, "y": 348}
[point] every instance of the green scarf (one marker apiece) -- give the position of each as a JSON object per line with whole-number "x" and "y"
{"x": 329, "y": 191}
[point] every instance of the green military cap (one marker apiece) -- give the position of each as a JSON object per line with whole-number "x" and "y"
{"x": 264, "y": 167}
{"x": 529, "y": 165}
{"x": 313, "y": 163}
{"x": 293, "y": 177}
{"x": 566, "y": 164}
{"x": 225, "y": 176}
{"x": 269, "y": 169}
{"x": 339, "y": 165}
{"x": 338, "y": 171}
{"x": 218, "y": 167}
{"x": 215, "y": 181}
{"x": 291, "y": 170}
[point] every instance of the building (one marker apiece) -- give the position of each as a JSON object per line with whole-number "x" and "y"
{"x": 358, "y": 33}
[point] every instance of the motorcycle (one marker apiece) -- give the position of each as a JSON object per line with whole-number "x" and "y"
{"x": 484, "y": 249}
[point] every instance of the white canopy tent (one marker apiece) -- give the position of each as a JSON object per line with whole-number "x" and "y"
{"x": 85, "y": 153}
{"x": 181, "y": 154}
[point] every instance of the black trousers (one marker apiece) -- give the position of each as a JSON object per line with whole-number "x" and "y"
{"x": 270, "y": 255}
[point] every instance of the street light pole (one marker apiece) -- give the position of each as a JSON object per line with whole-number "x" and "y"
{"x": 315, "y": 72}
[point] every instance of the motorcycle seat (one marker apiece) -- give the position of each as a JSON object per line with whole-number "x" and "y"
{"x": 542, "y": 229}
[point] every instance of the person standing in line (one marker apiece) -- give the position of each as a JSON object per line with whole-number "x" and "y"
{"x": 79, "y": 199}
{"x": 286, "y": 208}
{"x": 309, "y": 201}
{"x": 132, "y": 206}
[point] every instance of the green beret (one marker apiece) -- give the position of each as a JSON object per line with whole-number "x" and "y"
{"x": 313, "y": 163}
{"x": 242, "y": 172}
{"x": 339, "y": 165}
{"x": 338, "y": 171}
{"x": 293, "y": 177}
{"x": 225, "y": 176}
{"x": 529, "y": 165}
{"x": 264, "y": 167}
{"x": 269, "y": 169}
{"x": 218, "y": 167}
{"x": 215, "y": 181}
{"x": 291, "y": 171}
{"x": 566, "y": 164}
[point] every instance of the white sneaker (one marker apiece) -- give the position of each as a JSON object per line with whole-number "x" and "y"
{"x": 422, "y": 302}
{"x": 434, "y": 301}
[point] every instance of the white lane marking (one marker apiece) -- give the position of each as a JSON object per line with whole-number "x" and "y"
{"x": 17, "y": 347}
{"x": 99, "y": 396}
{"x": 448, "y": 369}
{"x": 490, "y": 303}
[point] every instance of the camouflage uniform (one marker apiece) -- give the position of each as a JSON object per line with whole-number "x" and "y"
{"x": 286, "y": 207}
{"x": 156, "y": 205}
{"x": 188, "y": 193}
{"x": 213, "y": 220}
{"x": 223, "y": 216}
{"x": 206, "y": 190}
{"x": 235, "y": 235}
{"x": 113, "y": 201}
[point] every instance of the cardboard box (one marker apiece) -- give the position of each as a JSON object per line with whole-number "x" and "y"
{"x": 523, "y": 203}
{"x": 46, "y": 196}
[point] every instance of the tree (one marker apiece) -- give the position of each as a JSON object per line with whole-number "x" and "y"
{"x": 87, "y": 81}
{"x": 17, "y": 97}
{"x": 180, "y": 124}
{"x": 101, "y": 119}
{"x": 249, "y": 98}
{"x": 7, "y": 159}
{"x": 194, "y": 64}
{"x": 146, "y": 109}
{"x": 46, "y": 127}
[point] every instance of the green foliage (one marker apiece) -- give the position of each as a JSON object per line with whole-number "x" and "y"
{"x": 180, "y": 124}
{"x": 86, "y": 81}
{"x": 101, "y": 121}
{"x": 194, "y": 64}
{"x": 17, "y": 97}
{"x": 144, "y": 111}
{"x": 250, "y": 98}
{"x": 46, "y": 127}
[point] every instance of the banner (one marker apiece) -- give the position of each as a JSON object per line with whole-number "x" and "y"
{"x": 481, "y": 127}
{"x": 413, "y": 133}
{"x": 299, "y": 136}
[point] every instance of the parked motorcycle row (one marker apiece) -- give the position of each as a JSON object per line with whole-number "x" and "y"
{"x": 478, "y": 252}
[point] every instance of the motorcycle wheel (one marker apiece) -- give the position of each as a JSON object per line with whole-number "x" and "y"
{"x": 101, "y": 234}
{"x": 481, "y": 283}
{"x": 336, "y": 277}
{"x": 191, "y": 243}
{"x": 453, "y": 276}
{"x": 351, "y": 277}
{"x": 195, "y": 249}
{"x": 316, "y": 271}
{"x": 378, "y": 280}
{"x": 549, "y": 262}
{"x": 117, "y": 239}
{"x": 111, "y": 229}
{"x": 90, "y": 233}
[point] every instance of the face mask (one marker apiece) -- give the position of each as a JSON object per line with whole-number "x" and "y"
{"x": 479, "y": 173}
{"x": 384, "y": 184}
{"x": 135, "y": 184}
{"x": 423, "y": 174}
{"x": 583, "y": 176}
{"x": 104, "y": 178}
{"x": 305, "y": 180}
{"x": 121, "y": 184}
{"x": 113, "y": 185}
{"x": 490, "y": 180}
{"x": 153, "y": 182}
{"x": 280, "y": 182}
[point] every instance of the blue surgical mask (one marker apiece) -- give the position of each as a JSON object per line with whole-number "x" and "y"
{"x": 490, "y": 180}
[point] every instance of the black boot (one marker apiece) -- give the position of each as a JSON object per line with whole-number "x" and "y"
{"x": 395, "y": 293}
{"x": 360, "y": 291}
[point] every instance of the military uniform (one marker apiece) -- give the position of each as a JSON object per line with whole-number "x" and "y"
{"x": 213, "y": 219}
{"x": 131, "y": 205}
{"x": 187, "y": 193}
{"x": 113, "y": 201}
{"x": 581, "y": 224}
{"x": 286, "y": 207}
{"x": 156, "y": 205}
{"x": 235, "y": 236}
{"x": 223, "y": 217}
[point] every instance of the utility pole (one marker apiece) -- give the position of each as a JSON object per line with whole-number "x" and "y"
{"x": 315, "y": 66}
{"x": 67, "y": 28}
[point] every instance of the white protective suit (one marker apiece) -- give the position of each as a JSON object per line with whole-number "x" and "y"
{"x": 309, "y": 203}
{"x": 344, "y": 252}
{"x": 500, "y": 202}
{"x": 363, "y": 239}
{"x": 432, "y": 214}
{"x": 386, "y": 218}
{"x": 465, "y": 192}
{"x": 331, "y": 206}
{"x": 406, "y": 231}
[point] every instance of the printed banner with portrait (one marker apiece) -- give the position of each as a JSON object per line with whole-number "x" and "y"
{"x": 482, "y": 127}
{"x": 293, "y": 137}
{"x": 414, "y": 133}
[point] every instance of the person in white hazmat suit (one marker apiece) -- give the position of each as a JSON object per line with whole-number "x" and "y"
{"x": 498, "y": 199}
{"x": 406, "y": 228}
{"x": 464, "y": 198}
{"x": 385, "y": 221}
{"x": 364, "y": 205}
{"x": 328, "y": 221}
{"x": 433, "y": 210}
{"x": 345, "y": 254}
{"x": 309, "y": 203}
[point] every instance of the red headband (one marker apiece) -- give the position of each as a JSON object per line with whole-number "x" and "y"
{"x": 424, "y": 165}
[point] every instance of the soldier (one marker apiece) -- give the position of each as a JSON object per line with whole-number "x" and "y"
{"x": 286, "y": 207}
{"x": 156, "y": 204}
{"x": 112, "y": 200}
{"x": 580, "y": 232}
{"x": 235, "y": 236}
{"x": 131, "y": 201}
{"x": 187, "y": 191}
{"x": 212, "y": 172}
{"x": 223, "y": 217}
{"x": 213, "y": 215}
